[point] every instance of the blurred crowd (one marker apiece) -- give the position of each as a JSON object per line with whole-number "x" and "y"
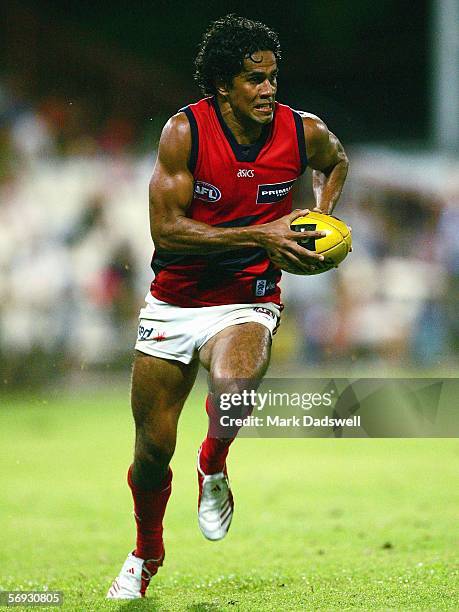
{"x": 74, "y": 237}
{"x": 75, "y": 251}
{"x": 42, "y": 126}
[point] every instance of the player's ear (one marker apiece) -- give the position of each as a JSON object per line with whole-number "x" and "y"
{"x": 222, "y": 88}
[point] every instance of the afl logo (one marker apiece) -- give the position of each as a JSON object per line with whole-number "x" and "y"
{"x": 206, "y": 192}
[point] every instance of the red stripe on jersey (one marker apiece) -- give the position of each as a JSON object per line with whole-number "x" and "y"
{"x": 235, "y": 185}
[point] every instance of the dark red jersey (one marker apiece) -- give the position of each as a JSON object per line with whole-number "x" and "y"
{"x": 235, "y": 185}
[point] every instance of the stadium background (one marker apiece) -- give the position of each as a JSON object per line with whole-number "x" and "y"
{"x": 84, "y": 92}
{"x": 83, "y": 96}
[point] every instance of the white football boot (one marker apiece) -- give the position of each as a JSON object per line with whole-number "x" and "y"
{"x": 134, "y": 578}
{"x": 215, "y": 504}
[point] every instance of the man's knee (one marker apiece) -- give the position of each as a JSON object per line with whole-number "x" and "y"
{"x": 152, "y": 451}
{"x": 151, "y": 461}
{"x": 229, "y": 370}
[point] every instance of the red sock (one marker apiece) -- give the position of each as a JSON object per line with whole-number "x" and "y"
{"x": 214, "y": 451}
{"x": 149, "y": 509}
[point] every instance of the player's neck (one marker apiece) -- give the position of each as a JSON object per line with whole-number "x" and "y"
{"x": 245, "y": 132}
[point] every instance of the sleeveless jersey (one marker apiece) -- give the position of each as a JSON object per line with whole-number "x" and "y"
{"x": 234, "y": 185}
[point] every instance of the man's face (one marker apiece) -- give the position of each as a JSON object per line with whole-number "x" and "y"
{"x": 253, "y": 91}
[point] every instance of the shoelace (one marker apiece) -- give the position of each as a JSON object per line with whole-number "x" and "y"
{"x": 156, "y": 562}
{"x": 147, "y": 572}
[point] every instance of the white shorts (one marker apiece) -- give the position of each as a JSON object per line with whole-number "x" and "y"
{"x": 173, "y": 332}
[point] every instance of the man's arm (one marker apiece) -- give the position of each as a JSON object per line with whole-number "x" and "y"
{"x": 171, "y": 192}
{"x": 328, "y": 160}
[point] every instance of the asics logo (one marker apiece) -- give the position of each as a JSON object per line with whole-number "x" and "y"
{"x": 244, "y": 173}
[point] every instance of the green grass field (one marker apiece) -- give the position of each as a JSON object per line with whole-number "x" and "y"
{"x": 319, "y": 524}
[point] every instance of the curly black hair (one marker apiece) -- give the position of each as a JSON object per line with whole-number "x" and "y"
{"x": 225, "y": 45}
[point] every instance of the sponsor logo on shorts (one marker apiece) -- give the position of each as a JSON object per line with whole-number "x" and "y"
{"x": 149, "y": 333}
{"x": 245, "y": 173}
{"x": 273, "y": 192}
{"x": 265, "y": 311}
{"x": 206, "y": 192}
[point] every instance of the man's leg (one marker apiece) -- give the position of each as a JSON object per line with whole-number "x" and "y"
{"x": 239, "y": 354}
{"x": 236, "y": 358}
{"x": 159, "y": 390}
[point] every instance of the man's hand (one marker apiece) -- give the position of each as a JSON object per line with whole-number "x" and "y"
{"x": 281, "y": 244}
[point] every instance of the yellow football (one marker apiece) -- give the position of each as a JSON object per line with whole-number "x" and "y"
{"x": 334, "y": 246}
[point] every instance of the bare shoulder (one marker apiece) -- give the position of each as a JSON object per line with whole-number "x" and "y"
{"x": 175, "y": 142}
{"x": 177, "y": 129}
{"x": 306, "y": 115}
{"x": 315, "y": 129}
{"x": 322, "y": 146}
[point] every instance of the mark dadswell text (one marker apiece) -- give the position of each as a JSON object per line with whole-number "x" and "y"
{"x": 292, "y": 421}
